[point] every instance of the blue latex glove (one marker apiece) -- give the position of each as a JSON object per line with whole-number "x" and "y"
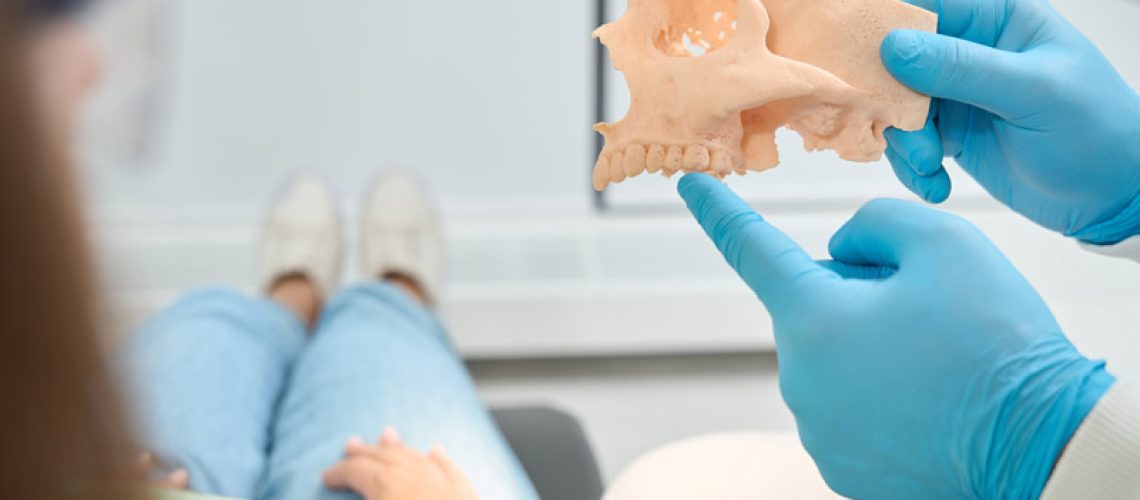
{"x": 919, "y": 363}
{"x": 1030, "y": 108}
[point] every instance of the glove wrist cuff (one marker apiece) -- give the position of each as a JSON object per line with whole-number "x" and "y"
{"x": 1036, "y": 434}
{"x": 1124, "y": 225}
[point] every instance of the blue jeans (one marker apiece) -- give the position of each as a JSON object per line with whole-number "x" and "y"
{"x": 234, "y": 390}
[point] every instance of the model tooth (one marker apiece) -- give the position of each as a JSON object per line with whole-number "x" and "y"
{"x": 601, "y": 173}
{"x": 721, "y": 163}
{"x": 617, "y": 167}
{"x": 674, "y": 159}
{"x": 696, "y": 159}
{"x": 655, "y": 158}
{"x": 634, "y": 160}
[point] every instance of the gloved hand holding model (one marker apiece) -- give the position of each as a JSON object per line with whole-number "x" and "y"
{"x": 918, "y": 363}
{"x": 1027, "y": 106}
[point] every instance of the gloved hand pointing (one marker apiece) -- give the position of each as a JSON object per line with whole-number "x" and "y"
{"x": 918, "y": 363}
{"x": 1027, "y": 106}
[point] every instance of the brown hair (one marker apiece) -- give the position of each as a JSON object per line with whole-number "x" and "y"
{"x": 64, "y": 430}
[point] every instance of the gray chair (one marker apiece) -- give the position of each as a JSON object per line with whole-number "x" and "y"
{"x": 554, "y": 451}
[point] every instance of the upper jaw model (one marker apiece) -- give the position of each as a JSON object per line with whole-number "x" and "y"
{"x": 810, "y": 65}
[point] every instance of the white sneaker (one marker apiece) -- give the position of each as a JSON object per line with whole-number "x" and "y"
{"x": 400, "y": 234}
{"x": 302, "y": 236}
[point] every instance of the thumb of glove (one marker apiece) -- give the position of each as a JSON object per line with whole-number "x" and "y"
{"x": 959, "y": 70}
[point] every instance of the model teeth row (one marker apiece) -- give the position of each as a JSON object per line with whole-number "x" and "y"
{"x": 668, "y": 160}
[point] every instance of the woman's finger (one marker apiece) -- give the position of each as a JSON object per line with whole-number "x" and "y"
{"x": 440, "y": 459}
{"x": 389, "y": 437}
{"x": 357, "y": 474}
{"x": 394, "y": 453}
{"x": 177, "y": 480}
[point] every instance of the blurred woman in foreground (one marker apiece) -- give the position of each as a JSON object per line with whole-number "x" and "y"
{"x": 64, "y": 432}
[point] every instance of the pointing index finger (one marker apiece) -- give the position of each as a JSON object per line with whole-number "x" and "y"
{"x": 770, "y": 263}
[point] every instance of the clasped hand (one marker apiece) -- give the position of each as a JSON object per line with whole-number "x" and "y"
{"x": 1029, "y": 107}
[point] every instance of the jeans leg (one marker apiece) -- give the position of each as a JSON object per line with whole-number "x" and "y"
{"x": 380, "y": 359}
{"x": 206, "y": 376}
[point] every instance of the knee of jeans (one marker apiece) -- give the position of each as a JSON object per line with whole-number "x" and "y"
{"x": 214, "y": 296}
{"x": 383, "y": 298}
{"x": 215, "y": 300}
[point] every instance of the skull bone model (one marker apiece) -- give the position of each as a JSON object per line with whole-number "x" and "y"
{"x": 810, "y": 65}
